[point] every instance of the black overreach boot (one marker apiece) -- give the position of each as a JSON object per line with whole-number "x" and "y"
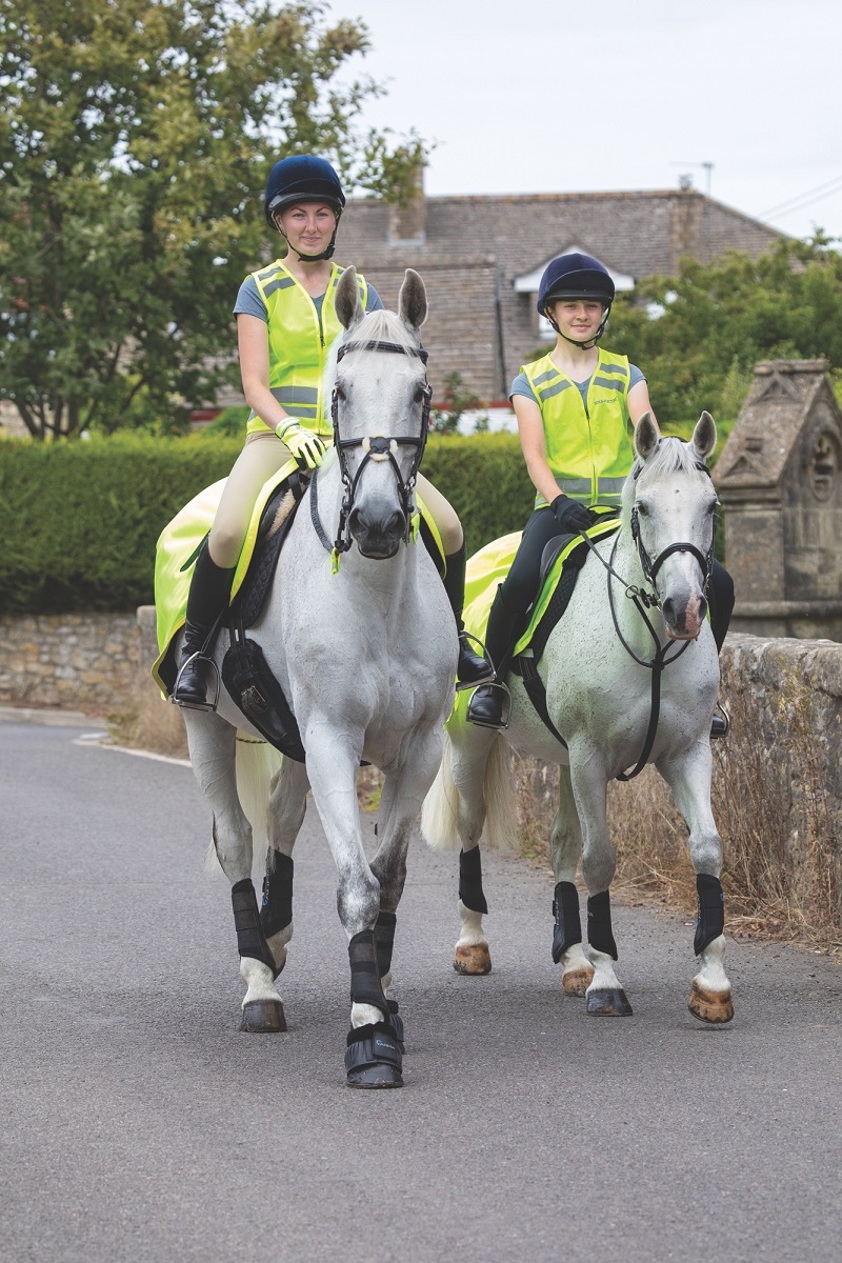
{"x": 488, "y": 704}
{"x": 210, "y": 589}
{"x": 473, "y": 669}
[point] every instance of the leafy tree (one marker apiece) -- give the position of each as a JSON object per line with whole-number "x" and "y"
{"x": 719, "y": 319}
{"x": 135, "y": 139}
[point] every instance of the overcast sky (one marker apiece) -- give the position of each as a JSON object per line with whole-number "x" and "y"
{"x": 556, "y": 96}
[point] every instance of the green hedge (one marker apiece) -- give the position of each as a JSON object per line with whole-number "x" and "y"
{"x": 79, "y": 521}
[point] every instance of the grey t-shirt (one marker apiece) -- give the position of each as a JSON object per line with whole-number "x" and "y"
{"x": 250, "y": 301}
{"x": 520, "y": 385}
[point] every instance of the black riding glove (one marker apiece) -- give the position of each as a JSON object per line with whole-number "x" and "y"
{"x": 572, "y": 517}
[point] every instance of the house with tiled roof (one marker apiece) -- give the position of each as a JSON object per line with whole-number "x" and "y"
{"x": 481, "y": 258}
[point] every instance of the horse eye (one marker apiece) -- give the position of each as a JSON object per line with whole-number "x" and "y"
{"x": 642, "y": 510}
{"x": 419, "y": 394}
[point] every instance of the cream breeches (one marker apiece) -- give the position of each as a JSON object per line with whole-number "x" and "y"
{"x": 261, "y": 457}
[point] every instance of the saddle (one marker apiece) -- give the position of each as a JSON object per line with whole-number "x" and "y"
{"x": 561, "y": 562}
{"x": 245, "y": 672}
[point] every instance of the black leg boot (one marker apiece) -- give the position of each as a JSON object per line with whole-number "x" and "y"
{"x": 473, "y": 669}
{"x": 487, "y": 707}
{"x": 210, "y": 589}
{"x": 721, "y": 607}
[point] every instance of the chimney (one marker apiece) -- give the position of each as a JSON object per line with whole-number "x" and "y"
{"x": 408, "y": 224}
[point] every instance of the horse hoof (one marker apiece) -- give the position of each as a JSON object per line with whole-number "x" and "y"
{"x": 474, "y": 960}
{"x": 714, "y": 1007}
{"x": 609, "y": 1003}
{"x": 263, "y": 1017}
{"x": 576, "y": 981}
{"x": 382, "y": 1076}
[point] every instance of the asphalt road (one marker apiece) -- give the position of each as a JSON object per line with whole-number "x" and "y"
{"x": 138, "y": 1123}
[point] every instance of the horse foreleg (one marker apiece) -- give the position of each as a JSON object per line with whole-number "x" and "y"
{"x": 212, "y": 744}
{"x": 689, "y": 779}
{"x": 373, "y": 1053}
{"x": 566, "y": 850}
{"x": 605, "y": 996}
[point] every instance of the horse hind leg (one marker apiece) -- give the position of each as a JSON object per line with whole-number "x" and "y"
{"x": 483, "y": 800}
{"x": 566, "y": 850}
{"x": 473, "y": 957}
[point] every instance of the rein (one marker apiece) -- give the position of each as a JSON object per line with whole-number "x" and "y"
{"x": 645, "y": 601}
{"x": 378, "y": 448}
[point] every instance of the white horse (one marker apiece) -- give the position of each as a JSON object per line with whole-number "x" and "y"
{"x": 621, "y": 692}
{"x": 366, "y": 655}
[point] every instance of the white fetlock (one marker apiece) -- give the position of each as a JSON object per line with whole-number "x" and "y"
{"x": 710, "y": 991}
{"x": 472, "y": 953}
{"x": 577, "y": 972}
{"x": 260, "y": 985}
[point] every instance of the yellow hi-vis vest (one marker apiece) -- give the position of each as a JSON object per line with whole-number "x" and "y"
{"x": 298, "y": 344}
{"x": 589, "y": 452}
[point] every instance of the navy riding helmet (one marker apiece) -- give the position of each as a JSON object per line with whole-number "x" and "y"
{"x": 303, "y": 178}
{"x": 576, "y": 276}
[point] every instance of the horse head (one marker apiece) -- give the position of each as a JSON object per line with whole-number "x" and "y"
{"x": 380, "y": 403}
{"x": 671, "y": 504}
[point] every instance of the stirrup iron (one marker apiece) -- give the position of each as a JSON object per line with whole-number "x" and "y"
{"x": 202, "y": 657}
{"x": 506, "y": 710}
{"x": 476, "y": 643}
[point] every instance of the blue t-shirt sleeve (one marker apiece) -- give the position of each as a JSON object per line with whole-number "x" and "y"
{"x": 250, "y": 302}
{"x": 520, "y": 386}
{"x": 635, "y": 375}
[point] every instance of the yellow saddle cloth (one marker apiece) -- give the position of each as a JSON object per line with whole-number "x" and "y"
{"x": 488, "y": 568}
{"x": 179, "y": 544}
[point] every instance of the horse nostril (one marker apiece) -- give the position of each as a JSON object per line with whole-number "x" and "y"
{"x": 668, "y": 610}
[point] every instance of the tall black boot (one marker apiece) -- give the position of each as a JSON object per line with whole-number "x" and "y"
{"x": 488, "y": 704}
{"x": 473, "y": 669}
{"x": 721, "y": 598}
{"x": 210, "y": 589}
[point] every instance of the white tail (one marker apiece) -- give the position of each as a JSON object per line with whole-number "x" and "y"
{"x": 440, "y": 812}
{"x": 258, "y": 765}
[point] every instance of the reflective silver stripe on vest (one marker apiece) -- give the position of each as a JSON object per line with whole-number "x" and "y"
{"x": 608, "y": 384}
{"x": 264, "y": 276}
{"x": 554, "y": 390}
{"x": 576, "y": 488}
{"x": 298, "y": 401}
{"x": 283, "y": 282}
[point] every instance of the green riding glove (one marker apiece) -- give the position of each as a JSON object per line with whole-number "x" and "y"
{"x": 308, "y": 449}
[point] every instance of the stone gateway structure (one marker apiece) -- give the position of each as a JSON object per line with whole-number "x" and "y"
{"x": 779, "y": 479}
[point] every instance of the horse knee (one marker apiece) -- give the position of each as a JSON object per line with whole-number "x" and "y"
{"x": 358, "y": 904}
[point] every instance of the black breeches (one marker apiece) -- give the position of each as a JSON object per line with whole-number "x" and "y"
{"x": 521, "y": 583}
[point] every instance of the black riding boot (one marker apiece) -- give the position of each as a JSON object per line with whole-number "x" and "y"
{"x": 488, "y": 703}
{"x": 210, "y": 589}
{"x": 473, "y": 669}
{"x": 721, "y": 598}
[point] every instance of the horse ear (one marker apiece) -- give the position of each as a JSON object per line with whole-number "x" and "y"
{"x": 349, "y": 309}
{"x": 704, "y": 435}
{"x": 412, "y": 300}
{"x": 647, "y": 436}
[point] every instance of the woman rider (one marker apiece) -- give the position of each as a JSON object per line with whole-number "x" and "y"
{"x": 576, "y": 409}
{"x": 286, "y": 322}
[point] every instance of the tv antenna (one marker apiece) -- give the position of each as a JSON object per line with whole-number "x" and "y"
{"x": 686, "y": 181}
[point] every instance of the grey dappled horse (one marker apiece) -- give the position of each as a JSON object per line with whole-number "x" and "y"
{"x": 367, "y": 657}
{"x": 602, "y": 666}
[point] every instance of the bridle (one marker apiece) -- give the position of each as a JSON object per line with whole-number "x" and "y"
{"x": 377, "y": 448}
{"x": 651, "y": 600}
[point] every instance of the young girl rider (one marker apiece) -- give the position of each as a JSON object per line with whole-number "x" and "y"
{"x": 286, "y": 322}
{"x": 576, "y": 409}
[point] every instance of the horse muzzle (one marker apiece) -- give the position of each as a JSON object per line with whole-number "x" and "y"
{"x": 684, "y": 620}
{"x": 377, "y": 536}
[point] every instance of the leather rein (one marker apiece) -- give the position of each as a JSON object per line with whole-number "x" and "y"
{"x": 645, "y": 601}
{"x": 378, "y": 448}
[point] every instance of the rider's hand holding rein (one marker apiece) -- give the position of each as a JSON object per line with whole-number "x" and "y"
{"x": 306, "y": 448}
